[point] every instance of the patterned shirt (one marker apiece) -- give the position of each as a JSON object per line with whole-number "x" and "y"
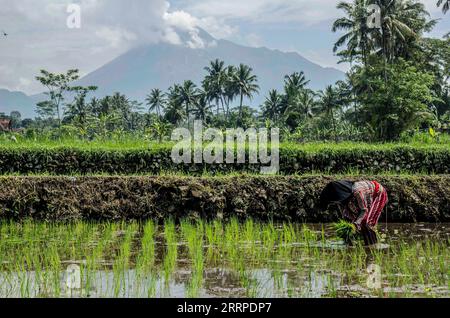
{"x": 361, "y": 200}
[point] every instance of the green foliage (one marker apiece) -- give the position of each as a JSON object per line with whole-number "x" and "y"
{"x": 397, "y": 104}
{"x": 130, "y": 156}
{"x": 57, "y": 86}
{"x": 346, "y": 231}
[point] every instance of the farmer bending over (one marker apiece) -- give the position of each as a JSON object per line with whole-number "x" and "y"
{"x": 360, "y": 203}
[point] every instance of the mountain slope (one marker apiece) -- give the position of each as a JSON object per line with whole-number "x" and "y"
{"x": 16, "y": 101}
{"x": 159, "y": 66}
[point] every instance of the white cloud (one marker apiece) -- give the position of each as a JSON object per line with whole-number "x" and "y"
{"x": 39, "y": 37}
{"x": 265, "y": 11}
{"x": 305, "y": 12}
{"x": 186, "y": 22}
{"x": 115, "y": 36}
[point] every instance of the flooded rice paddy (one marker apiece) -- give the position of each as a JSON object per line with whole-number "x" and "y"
{"x": 219, "y": 259}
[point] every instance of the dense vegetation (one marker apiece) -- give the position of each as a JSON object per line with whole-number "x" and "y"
{"x": 398, "y": 83}
{"x": 156, "y": 158}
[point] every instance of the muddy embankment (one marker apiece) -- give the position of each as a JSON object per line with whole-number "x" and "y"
{"x": 293, "y": 198}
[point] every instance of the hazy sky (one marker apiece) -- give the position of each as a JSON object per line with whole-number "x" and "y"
{"x": 38, "y": 36}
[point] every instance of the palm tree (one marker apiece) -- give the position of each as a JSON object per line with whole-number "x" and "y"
{"x": 402, "y": 23}
{"x": 201, "y": 107}
{"x": 301, "y": 108}
{"x": 174, "y": 111}
{"x": 329, "y": 103}
{"x": 187, "y": 94}
{"x": 272, "y": 105}
{"x": 445, "y": 6}
{"x": 245, "y": 83}
{"x": 214, "y": 82}
{"x": 294, "y": 84}
{"x": 156, "y": 100}
{"x": 215, "y": 68}
{"x": 307, "y": 103}
{"x": 79, "y": 110}
{"x": 230, "y": 88}
{"x": 357, "y": 36}
{"x": 120, "y": 104}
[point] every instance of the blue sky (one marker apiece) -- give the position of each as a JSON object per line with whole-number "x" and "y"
{"x": 39, "y": 37}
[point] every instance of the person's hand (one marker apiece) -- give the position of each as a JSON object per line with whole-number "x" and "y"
{"x": 358, "y": 224}
{"x": 355, "y": 228}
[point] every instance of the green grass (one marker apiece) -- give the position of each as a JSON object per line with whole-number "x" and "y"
{"x": 137, "y": 144}
{"x": 133, "y": 158}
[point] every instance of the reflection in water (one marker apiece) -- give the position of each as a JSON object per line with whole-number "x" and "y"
{"x": 219, "y": 260}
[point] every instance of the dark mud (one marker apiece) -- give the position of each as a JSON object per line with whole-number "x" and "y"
{"x": 411, "y": 198}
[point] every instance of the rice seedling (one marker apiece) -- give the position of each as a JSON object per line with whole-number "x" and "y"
{"x": 307, "y": 236}
{"x": 346, "y": 231}
{"x": 170, "y": 258}
{"x": 265, "y": 259}
{"x": 146, "y": 259}
{"x": 121, "y": 263}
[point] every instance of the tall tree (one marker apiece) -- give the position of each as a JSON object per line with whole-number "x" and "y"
{"x": 301, "y": 108}
{"x": 175, "y": 111}
{"x": 57, "y": 85}
{"x": 202, "y": 108}
{"x": 294, "y": 84}
{"x": 79, "y": 110}
{"x": 245, "y": 83}
{"x": 403, "y": 102}
{"x": 402, "y": 24}
{"x": 214, "y": 82}
{"x": 329, "y": 104}
{"x": 272, "y": 105}
{"x": 306, "y": 104}
{"x": 230, "y": 88}
{"x": 357, "y": 36}
{"x": 156, "y": 101}
{"x": 186, "y": 95}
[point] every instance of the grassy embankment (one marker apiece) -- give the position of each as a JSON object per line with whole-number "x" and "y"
{"x": 75, "y": 158}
